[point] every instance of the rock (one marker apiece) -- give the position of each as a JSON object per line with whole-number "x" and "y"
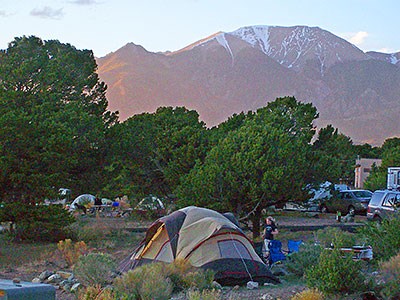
{"x": 64, "y": 275}
{"x": 53, "y": 278}
{"x": 44, "y": 275}
{"x": 252, "y": 285}
{"x": 75, "y": 287}
{"x": 36, "y": 280}
{"x": 216, "y": 285}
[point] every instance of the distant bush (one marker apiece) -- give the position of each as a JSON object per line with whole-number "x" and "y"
{"x": 95, "y": 269}
{"x": 36, "y": 222}
{"x": 71, "y": 251}
{"x": 390, "y": 271}
{"x": 299, "y": 262}
{"x": 335, "y": 273}
{"x": 384, "y": 237}
{"x": 309, "y": 294}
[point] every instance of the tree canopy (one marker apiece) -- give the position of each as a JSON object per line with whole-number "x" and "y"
{"x": 53, "y": 119}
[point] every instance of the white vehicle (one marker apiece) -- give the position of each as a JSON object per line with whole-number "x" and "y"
{"x": 393, "y": 178}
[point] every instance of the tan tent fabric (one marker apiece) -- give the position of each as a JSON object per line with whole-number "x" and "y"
{"x": 207, "y": 239}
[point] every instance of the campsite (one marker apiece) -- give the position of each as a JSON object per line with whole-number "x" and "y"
{"x": 118, "y": 237}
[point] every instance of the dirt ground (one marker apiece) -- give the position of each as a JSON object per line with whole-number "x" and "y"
{"x": 283, "y": 291}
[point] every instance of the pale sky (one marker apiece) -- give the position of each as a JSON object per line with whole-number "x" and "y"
{"x": 105, "y": 26}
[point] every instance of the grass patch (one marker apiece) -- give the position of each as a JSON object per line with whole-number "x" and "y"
{"x": 14, "y": 255}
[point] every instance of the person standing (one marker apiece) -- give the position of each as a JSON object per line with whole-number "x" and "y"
{"x": 270, "y": 230}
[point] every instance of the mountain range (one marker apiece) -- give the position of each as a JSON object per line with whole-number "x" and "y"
{"x": 230, "y": 72}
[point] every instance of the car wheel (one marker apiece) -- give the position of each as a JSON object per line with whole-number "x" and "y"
{"x": 324, "y": 209}
{"x": 352, "y": 210}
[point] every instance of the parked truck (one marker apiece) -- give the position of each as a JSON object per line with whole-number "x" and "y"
{"x": 393, "y": 178}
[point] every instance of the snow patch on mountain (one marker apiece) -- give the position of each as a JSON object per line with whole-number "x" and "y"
{"x": 257, "y": 36}
{"x": 393, "y": 59}
{"x": 224, "y": 43}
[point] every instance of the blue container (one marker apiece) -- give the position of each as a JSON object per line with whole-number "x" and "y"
{"x": 10, "y": 290}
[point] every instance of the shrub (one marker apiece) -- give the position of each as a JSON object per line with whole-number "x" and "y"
{"x": 332, "y": 235}
{"x": 145, "y": 282}
{"x": 36, "y": 222}
{"x": 184, "y": 276}
{"x": 96, "y": 293}
{"x": 95, "y": 268}
{"x": 72, "y": 251}
{"x": 384, "y": 237}
{"x": 335, "y": 273}
{"x": 299, "y": 262}
{"x": 204, "y": 295}
{"x": 309, "y": 294}
{"x": 390, "y": 271}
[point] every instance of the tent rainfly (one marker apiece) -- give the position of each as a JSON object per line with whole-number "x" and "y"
{"x": 208, "y": 240}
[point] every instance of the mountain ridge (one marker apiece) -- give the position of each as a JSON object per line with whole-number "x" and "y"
{"x": 228, "y": 73}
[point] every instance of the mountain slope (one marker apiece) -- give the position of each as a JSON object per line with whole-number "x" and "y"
{"x": 242, "y": 70}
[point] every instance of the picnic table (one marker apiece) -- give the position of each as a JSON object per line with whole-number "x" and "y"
{"x": 359, "y": 252}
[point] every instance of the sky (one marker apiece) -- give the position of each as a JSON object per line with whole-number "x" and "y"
{"x": 104, "y": 26}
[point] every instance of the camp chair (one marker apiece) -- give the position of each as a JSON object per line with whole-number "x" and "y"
{"x": 275, "y": 252}
{"x": 293, "y": 246}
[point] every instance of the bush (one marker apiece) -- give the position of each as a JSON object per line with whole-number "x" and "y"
{"x": 384, "y": 237}
{"x": 95, "y": 269}
{"x": 96, "y": 293}
{"x": 390, "y": 271}
{"x": 36, "y": 222}
{"x": 335, "y": 273}
{"x": 309, "y": 294}
{"x": 71, "y": 252}
{"x": 332, "y": 235}
{"x": 299, "y": 262}
{"x": 204, "y": 295}
{"x": 145, "y": 282}
{"x": 183, "y": 276}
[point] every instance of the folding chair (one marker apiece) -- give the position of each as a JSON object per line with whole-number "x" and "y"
{"x": 275, "y": 252}
{"x": 293, "y": 246}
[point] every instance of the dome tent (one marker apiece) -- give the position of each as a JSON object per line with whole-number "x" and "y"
{"x": 208, "y": 240}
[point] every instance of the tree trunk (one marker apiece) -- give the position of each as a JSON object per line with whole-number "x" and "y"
{"x": 256, "y": 217}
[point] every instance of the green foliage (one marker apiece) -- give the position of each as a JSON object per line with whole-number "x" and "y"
{"x": 299, "y": 262}
{"x": 333, "y": 235}
{"x": 95, "y": 268}
{"x": 333, "y": 156}
{"x": 53, "y": 119}
{"x": 146, "y": 282}
{"x": 335, "y": 273}
{"x": 36, "y": 222}
{"x": 390, "y": 271}
{"x": 162, "y": 279}
{"x": 150, "y": 152}
{"x": 390, "y": 158}
{"x": 383, "y": 237}
{"x": 204, "y": 295}
{"x": 96, "y": 292}
{"x": 251, "y": 165}
{"x": 309, "y": 294}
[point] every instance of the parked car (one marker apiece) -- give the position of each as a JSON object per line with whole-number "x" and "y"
{"x": 347, "y": 201}
{"x": 384, "y": 203}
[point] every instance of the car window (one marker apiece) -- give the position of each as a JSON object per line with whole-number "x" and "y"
{"x": 389, "y": 200}
{"x": 347, "y": 196}
{"x": 376, "y": 198}
{"x": 362, "y": 194}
